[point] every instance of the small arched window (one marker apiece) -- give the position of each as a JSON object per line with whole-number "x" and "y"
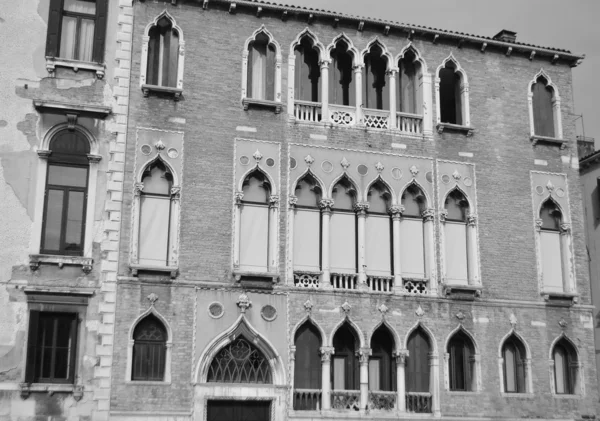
{"x": 543, "y": 110}
{"x": 307, "y": 84}
{"x": 163, "y": 54}
{"x": 343, "y": 240}
{"x": 566, "y": 368}
{"x": 149, "y": 350}
{"x": 261, "y": 68}
{"x": 551, "y": 247}
{"x": 375, "y": 81}
{"x": 412, "y": 244}
{"x": 307, "y": 225}
{"x": 342, "y": 89}
{"x": 240, "y": 362}
{"x": 307, "y": 366}
{"x": 417, "y": 367}
{"x": 382, "y": 369}
{"x": 345, "y": 367}
{"x": 514, "y": 365}
{"x": 450, "y": 95}
{"x": 461, "y": 363}
{"x": 64, "y": 219}
{"x": 378, "y": 231}
{"x": 409, "y": 88}
{"x": 455, "y": 238}
{"x": 155, "y": 216}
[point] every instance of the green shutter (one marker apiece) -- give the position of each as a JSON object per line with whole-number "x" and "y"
{"x": 54, "y": 21}
{"x": 100, "y": 31}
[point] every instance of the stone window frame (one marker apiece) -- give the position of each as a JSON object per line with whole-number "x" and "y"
{"x": 146, "y": 88}
{"x": 276, "y": 103}
{"x": 476, "y": 366}
{"x": 131, "y": 342}
{"x": 85, "y": 260}
{"x": 557, "y": 114}
{"x": 465, "y": 127}
{"x": 528, "y": 369}
{"x": 579, "y": 382}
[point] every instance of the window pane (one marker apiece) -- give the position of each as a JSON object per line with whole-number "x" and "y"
{"x": 343, "y": 242}
{"x": 60, "y": 175}
{"x": 53, "y": 228}
{"x": 67, "y": 37}
{"x": 412, "y": 250}
{"x": 61, "y": 363}
{"x": 560, "y": 363}
{"x": 339, "y": 373}
{"x": 80, "y": 6}
{"x": 374, "y": 383}
{"x": 378, "y": 247}
{"x": 510, "y": 368}
{"x": 154, "y": 230}
{"x": 75, "y": 218}
{"x": 456, "y": 252}
{"x": 259, "y": 66}
{"x": 307, "y": 239}
{"x": 551, "y": 261}
{"x": 254, "y": 238}
{"x": 457, "y": 366}
{"x": 86, "y": 40}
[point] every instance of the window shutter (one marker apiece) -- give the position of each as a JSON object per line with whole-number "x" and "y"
{"x": 54, "y": 20}
{"x": 30, "y": 368}
{"x": 249, "y": 93}
{"x": 270, "y": 92}
{"x": 73, "y": 350}
{"x": 100, "y": 31}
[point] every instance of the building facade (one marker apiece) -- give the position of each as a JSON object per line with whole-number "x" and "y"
{"x": 62, "y": 142}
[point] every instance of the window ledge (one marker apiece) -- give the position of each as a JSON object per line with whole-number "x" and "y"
{"x": 261, "y": 103}
{"x": 171, "y": 270}
{"x": 36, "y": 259}
{"x": 561, "y": 297}
{"x": 462, "y": 292}
{"x": 463, "y": 392}
{"x": 176, "y": 92}
{"x": 53, "y": 62}
{"x": 557, "y": 396}
{"x": 535, "y": 139}
{"x": 455, "y": 128}
{"x": 518, "y": 395}
{"x": 51, "y": 388}
{"x": 147, "y": 383}
{"x": 256, "y": 279}
{"x": 100, "y": 110}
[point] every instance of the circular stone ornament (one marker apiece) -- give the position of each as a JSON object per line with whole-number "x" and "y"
{"x": 560, "y": 192}
{"x": 468, "y": 181}
{"x": 216, "y": 310}
{"x": 146, "y": 149}
{"x": 327, "y": 166}
{"x": 269, "y": 313}
{"x": 362, "y": 169}
{"x": 539, "y": 190}
{"x": 293, "y": 163}
{"x": 429, "y": 177}
{"x": 445, "y": 178}
{"x": 244, "y": 160}
{"x": 173, "y": 153}
{"x": 396, "y": 173}
{"x": 270, "y": 162}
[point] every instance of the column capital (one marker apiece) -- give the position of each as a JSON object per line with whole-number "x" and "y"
{"x": 356, "y": 68}
{"x": 428, "y": 214}
{"x": 565, "y": 228}
{"x": 443, "y": 215}
{"x": 176, "y": 193}
{"x": 324, "y": 63}
{"x": 538, "y": 224}
{"x": 392, "y": 71}
{"x": 361, "y": 208}
{"x": 273, "y": 201}
{"x": 401, "y": 356}
{"x": 292, "y": 200}
{"x": 138, "y": 188}
{"x": 471, "y": 220}
{"x": 363, "y": 355}
{"x": 326, "y": 205}
{"x": 326, "y": 353}
{"x": 396, "y": 211}
{"x": 238, "y": 196}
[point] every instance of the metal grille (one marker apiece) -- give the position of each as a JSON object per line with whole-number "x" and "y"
{"x": 240, "y": 362}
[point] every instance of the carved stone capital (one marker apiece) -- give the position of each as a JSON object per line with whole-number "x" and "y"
{"x": 565, "y": 228}
{"x": 471, "y": 220}
{"x": 443, "y": 215}
{"x": 396, "y": 211}
{"x": 243, "y": 303}
{"x": 293, "y": 200}
{"x": 25, "y": 390}
{"x": 326, "y": 204}
{"x": 363, "y": 355}
{"x": 326, "y": 353}
{"x": 238, "y": 196}
{"x": 138, "y": 188}
{"x": 538, "y": 224}
{"x": 44, "y": 153}
{"x": 176, "y": 193}
{"x": 361, "y": 208}
{"x": 273, "y": 201}
{"x": 428, "y": 214}
{"x": 401, "y": 356}
{"x": 94, "y": 159}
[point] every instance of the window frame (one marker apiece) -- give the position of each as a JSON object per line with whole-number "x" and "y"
{"x": 147, "y": 344}
{"x": 522, "y": 351}
{"x": 558, "y": 138}
{"x": 472, "y": 370}
{"x": 573, "y": 368}
{"x": 465, "y": 125}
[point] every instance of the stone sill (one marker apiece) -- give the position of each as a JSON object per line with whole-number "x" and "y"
{"x": 468, "y": 292}
{"x": 467, "y": 130}
{"x": 51, "y": 388}
{"x": 36, "y": 259}
{"x": 73, "y": 108}
{"x": 262, "y": 103}
{"x": 548, "y": 140}
{"x": 146, "y": 383}
{"x": 557, "y": 396}
{"x": 518, "y": 395}
{"x": 76, "y": 65}
{"x": 561, "y": 297}
{"x": 171, "y": 270}
{"x": 176, "y": 92}
{"x": 462, "y": 393}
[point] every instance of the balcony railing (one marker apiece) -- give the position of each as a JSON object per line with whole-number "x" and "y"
{"x": 380, "y": 283}
{"x": 418, "y": 402}
{"x": 345, "y": 399}
{"x": 307, "y": 111}
{"x": 409, "y": 123}
{"x": 306, "y": 279}
{"x": 344, "y": 280}
{"x": 342, "y": 115}
{"x": 415, "y": 286}
{"x": 376, "y": 119}
{"x": 307, "y": 399}
{"x": 385, "y": 401}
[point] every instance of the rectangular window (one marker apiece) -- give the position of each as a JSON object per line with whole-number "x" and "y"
{"x": 551, "y": 261}
{"x": 254, "y": 238}
{"x": 77, "y": 29}
{"x": 51, "y": 347}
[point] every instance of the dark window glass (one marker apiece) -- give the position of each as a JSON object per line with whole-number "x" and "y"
{"x": 382, "y": 346}
{"x": 307, "y": 85}
{"x": 240, "y": 362}
{"x": 543, "y": 114}
{"x": 163, "y": 54}
{"x": 550, "y": 216}
{"x": 307, "y": 366}
{"x": 417, "y": 367}
{"x": 51, "y": 347}
{"x": 341, "y": 86}
{"x": 149, "y": 350}
{"x": 376, "y": 88}
{"x": 241, "y": 410}
{"x": 450, "y": 95}
{"x": 513, "y": 355}
{"x": 261, "y": 68}
{"x": 345, "y": 372}
{"x": 461, "y": 362}
{"x": 408, "y": 84}
{"x": 565, "y": 367}
{"x": 456, "y": 205}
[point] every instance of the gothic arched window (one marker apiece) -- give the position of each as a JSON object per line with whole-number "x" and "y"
{"x": 261, "y": 68}
{"x": 412, "y": 243}
{"x": 382, "y": 367}
{"x": 566, "y": 368}
{"x": 514, "y": 365}
{"x": 543, "y": 108}
{"x": 342, "y": 89}
{"x": 240, "y": 362}
{"x": 461, "y": 363}
{"x": 163, "y": 54}
{"x": 149, "y": 350}
{"x": 378, "y": 244}
{"x": 410, "y": 97}
{"x": 376, "y": 84}
{"x": 307, "y": 84}
{"x": 307, "y": 366}
{"x": 345, "y": 366}
{"x": 455, "y": 237}
{"x": 307, "y": 225}
{"x": 553, "y": 270}
{"x": 343, "y": 241}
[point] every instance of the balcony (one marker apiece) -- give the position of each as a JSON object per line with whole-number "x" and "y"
{"x": 415, "y": 286}
{"x": 342, "y": 115}
{"x": 383, "y": 401}
{"x": 345, "y": 399}
{"x": 346, "y": 281}
{"x": 380, "y": 283}
{"x": 306, "y": 279}
{"x": 307, "y": 399}
{"x": 409, "y": 123}
{"x": 307, "y": 111}
{"x": 376, "y": 119}
{"x": 418, "y": 402}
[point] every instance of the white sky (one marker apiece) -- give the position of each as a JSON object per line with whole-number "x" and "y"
{"x": 568, "y": 24}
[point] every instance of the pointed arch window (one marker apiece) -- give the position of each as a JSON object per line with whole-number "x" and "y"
{"x": 452, "y": 94}
{"x": 345, "y": 367}
{"x": 544, "y": 109}
{"x": 553, "y": 248}
{"x": 307, "y": 84}
{"x": 149, "y": 350}
{"x": 461, "y": 363}
{"x": 343, "y": 230}
{"x": 418, "y": 373}
{"x": 412, "y": 240}
{"x": 342, "y": 90}
{"x": 410, "y": 79}
{"x": 261, "y": 71}
{"x": 240, "y": 362}
{"x": 376, "y": 80}
{"x": 307, "y": 368}
{"x": 566, "y": 368}
{"x": 307, "y": 225}
{"x": 378, "y": 232}
{"x": 455, "y": 238}
{"x": 382, "y": 368}
{"x": 514, "y": 365}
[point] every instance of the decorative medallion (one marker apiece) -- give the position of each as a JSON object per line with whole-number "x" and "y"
{"x": 379, "y": 166}
{"x": 173, "y": 153}
{"x": 244, "y": 160}
{"x": 419, "y": 311}
{"x": 327, "y": 166}
{"x": 309, "y": 160}
{"x": 344, "y": 163}
{"x": 269, "y": 313}
{"x": 243, "y": 303}
{"x": 445, "y": 178}
{"x": 396, "y": 173}
{"x": 152, "y": 298}
{"x": 216, "y": 310}
{"x": 146, "y": 149}
{"x": 346, "y": 307}
{"x": 456, "y": 175}
{"x": 429, "y": 177}
{"x": 539, "y": 190}
{"x": 414, "y": 170}
{"x": 270, "y": 162}
{"x": 308, "y": 305}
{"x": 383, "y": 309}
{"x": 560, "y": 192}
{"x": 513, "y": 320}
{"x": 293, "y": 163}
{"x": 159, "y": 145}
{"x": 460, "y": 315}
{"x": 550, "y": 186}
{"x": 257, "y": 155}
{"x": 362, "y": 169}
{"x": 468, "y": 181}
{"x": 563, "y": 323}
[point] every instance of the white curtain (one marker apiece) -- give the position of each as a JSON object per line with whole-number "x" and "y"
{"x": 254, "y": 238}
{"x": 551, "y": 261}
{"x": 509, "y": 368}
{"x": 560, "y": 362}
{"x": 154, "y": 230}
{"x": 456, "y": 253}
{"x": 306, "y": 240}
{"x": 69, "y": 31}
{"x": 412, "y": 256}
{"x": 342, "y": 242}
{"x": 67, "y": 37}
{"x": 378, "y": 245}
{"x": 339, "y": 373}
{"x": 86, "y": 40}
{"x": 259, "y": 70}
{"x": 374, "y": 383}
